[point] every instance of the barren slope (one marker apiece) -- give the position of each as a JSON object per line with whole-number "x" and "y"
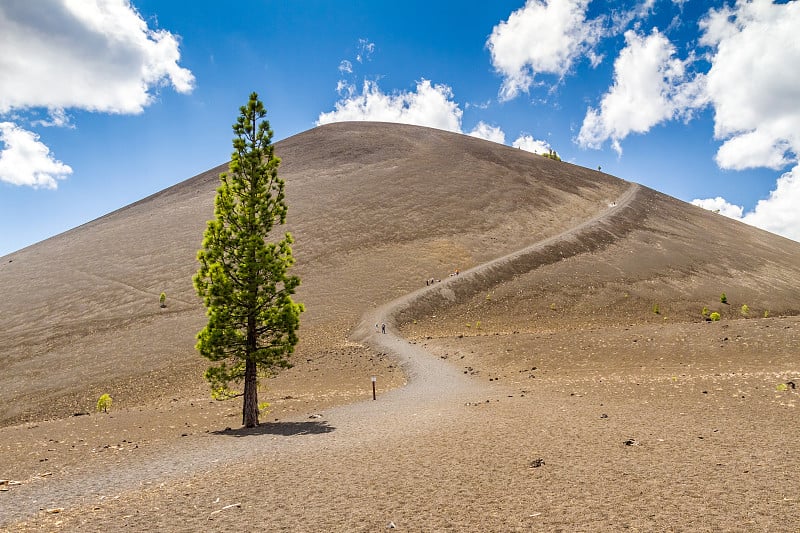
{"x": 375, "y": 210}
{"x": 551, "y": 357}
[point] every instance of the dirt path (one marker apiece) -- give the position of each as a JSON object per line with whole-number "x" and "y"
{"x": 436, "y": 392}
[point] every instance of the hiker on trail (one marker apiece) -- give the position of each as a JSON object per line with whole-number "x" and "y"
{"x": 383, "y": 328}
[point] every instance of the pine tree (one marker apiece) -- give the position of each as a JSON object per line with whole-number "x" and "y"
{"x": 243, "y": 277}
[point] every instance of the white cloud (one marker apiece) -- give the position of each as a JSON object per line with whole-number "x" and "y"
{"x": 478, "y": 105}
{"x": 650, "y": 86}
{"x": 27, "y": 161}
{"x": 489, "y": 133}
{"x": 544, "y": 36}
{"x": 720, "y": 205}
{"x": 346, "y": 67}
{"x": 528, "y": 143}
{"x": 63, "y": 54}
{"x": 429, "y": 105}
{"x": 753, "y": 82}
{"x": 777, "y": 214}
{"x": 56, "y": 118}
{"x": 365, "y": 50}
{"x": 757, "y": 148}
{"x": 95, "y": 56}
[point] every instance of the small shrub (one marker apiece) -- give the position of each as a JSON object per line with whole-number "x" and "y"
{"x": 766, "y": 313}
{"x": 263, "y": 407}
{"x": 745, "y": 310}
{"x": 705, "y": 312}
{"x": 553, "y": 307}
{"x": 478, "y": 324}
{"x": 552, "y": 154}
{"x": 104, "y": 403}
{"x": 782, "y": 387}
{"x": 222, "y": 394}
{"x": 656, "y": 309}
{"x": 723, "y": 298}
{"x": 162, "y": 300}
{"x": 714, "y": 316}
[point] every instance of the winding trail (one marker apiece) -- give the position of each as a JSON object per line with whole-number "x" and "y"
{"x": 435, "y": 394}
{"x": 416, "y": 361}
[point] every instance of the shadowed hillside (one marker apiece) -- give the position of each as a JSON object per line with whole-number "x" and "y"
{"x": 375, "y": 210}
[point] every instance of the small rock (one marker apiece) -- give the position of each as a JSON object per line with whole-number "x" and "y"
{"x": 536, "y": 463}
{"x": 315, "y": 416}
{"x": 631, "y": 442}
{"x": 604, "y": 415}
{"x": 391, "y": 526}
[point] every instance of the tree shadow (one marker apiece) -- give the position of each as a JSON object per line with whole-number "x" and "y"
{"x": 286, "y": 429}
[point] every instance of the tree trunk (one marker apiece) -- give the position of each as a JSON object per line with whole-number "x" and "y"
{"x": 250, "y": 404}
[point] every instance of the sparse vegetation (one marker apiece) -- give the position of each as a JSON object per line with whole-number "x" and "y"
{"x": 723, "y": 298}
{"x": 552, "y": 154}
{"x": 714, "y": 316}
{"x": 162, "y": 300}
{"x": 705, "y": 312}
{"x": 766, "y": 313}
{"x": 656, "y": 309}
{"x": 745, "y": 310}
{"x": 104, "y": 403}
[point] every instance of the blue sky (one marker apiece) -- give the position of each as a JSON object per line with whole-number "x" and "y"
{"x": 104, "y": 103}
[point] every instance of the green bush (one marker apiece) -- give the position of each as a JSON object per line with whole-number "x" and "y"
{"x": 162, "y": 300}
{"x": 104, "y": 403}
{"x": 723, "y": 298}
{"x": 745, "y": 310}
{"x": 705, "y": 312}
{"x": 552, "y": 154}
{"x": 766, "y": 313}
{"x": 714, "y": 316}
{"x": 656, "y": 309}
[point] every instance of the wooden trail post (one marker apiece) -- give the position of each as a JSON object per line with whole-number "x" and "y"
{"x": 374, "y": 379}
